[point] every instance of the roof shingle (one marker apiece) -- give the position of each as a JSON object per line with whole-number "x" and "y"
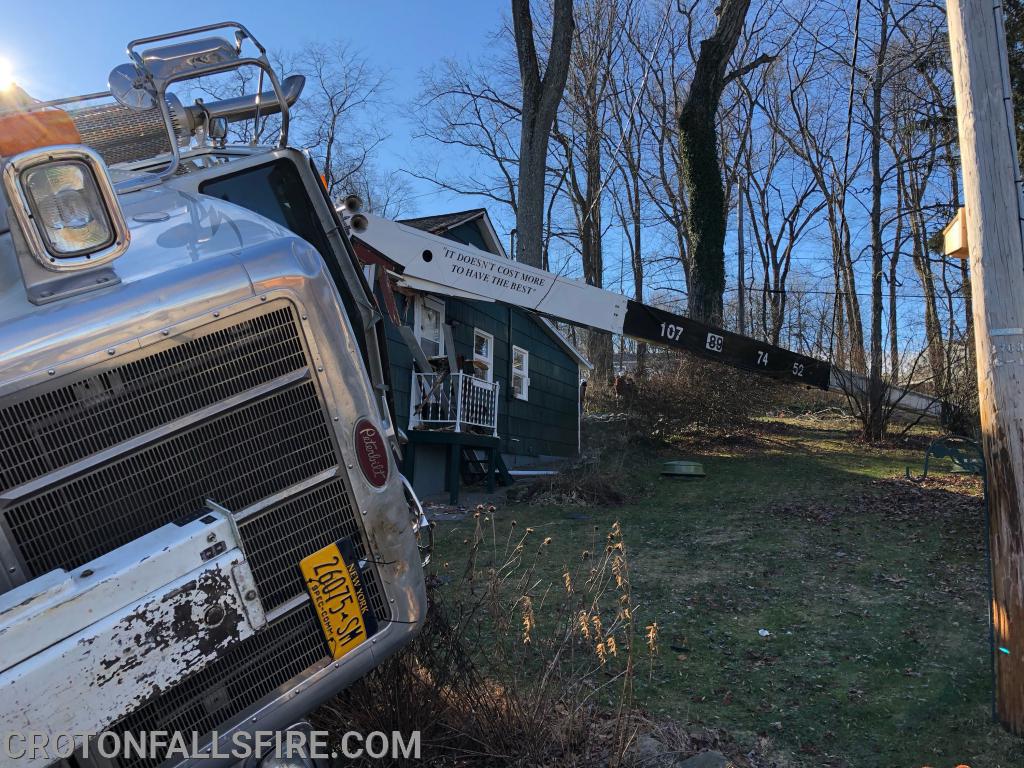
{"x": 444, "y": 221}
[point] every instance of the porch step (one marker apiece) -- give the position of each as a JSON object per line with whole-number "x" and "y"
{"x": 474, "y": 467}
{"x": 504, "y": 476}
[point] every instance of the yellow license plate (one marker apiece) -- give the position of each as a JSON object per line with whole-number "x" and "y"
{"x": 332, "y": 578}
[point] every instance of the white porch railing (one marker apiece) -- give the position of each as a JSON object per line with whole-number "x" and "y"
{"x": 454, "y": 401}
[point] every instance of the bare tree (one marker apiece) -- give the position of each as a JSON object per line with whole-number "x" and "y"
{"x": 666, "y": 59}
{"x": 783, "y": 199}
{"x": 820, "y": 130}
{"x": 915, "y": 146}
{"x": 473, "y": 108}
{"x": 627, "y": 139}
{"x": 333, "y": 119}
{"x": 341, "y": 87}
{"x": 698, "y": 137}
{"x": 540, "y": 98}
{"x": 388, "y": 195}
{"x": 581, "y": 134}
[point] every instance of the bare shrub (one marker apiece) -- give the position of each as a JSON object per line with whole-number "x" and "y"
{"x": 513, "y": 668}
{"x": 578, "y": 485}
{"x": 685, "y": 393}
{"x": 960, "y": 414}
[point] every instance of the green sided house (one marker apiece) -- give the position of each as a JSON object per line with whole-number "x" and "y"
{"x": 501, "y": 386}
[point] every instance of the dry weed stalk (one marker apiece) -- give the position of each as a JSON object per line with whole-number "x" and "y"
{"x": 513, "y": 667}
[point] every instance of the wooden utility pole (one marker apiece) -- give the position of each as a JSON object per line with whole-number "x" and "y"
{"x": 991, "y": 191}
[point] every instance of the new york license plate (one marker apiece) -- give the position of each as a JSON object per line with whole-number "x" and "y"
{"x": 332, "y": 578}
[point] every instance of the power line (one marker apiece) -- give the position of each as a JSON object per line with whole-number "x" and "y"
{"x": 754, "y": 291}
{"x": 885, "y": 294}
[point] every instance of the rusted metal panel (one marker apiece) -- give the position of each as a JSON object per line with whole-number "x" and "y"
{"x": 59, "y": 604}
{"x": 96, "y": 675}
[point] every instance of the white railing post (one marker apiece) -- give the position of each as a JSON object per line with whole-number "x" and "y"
{"x": 414, "y": 396}
{"x": 457, "y": 383}
{"x": 494, "y": 409}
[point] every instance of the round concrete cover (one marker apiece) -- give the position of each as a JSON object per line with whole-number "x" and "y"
{"x": 683, "y": 469}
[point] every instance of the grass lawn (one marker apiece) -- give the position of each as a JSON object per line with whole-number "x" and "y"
{"x": 873, "y": 591}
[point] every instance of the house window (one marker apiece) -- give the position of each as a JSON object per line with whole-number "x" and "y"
{"x": 520, "y": 373}
{"x": 483, "y": 354}
{"x": 428, "y": 326}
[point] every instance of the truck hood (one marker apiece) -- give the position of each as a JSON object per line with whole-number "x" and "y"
{"x": 185, "y": 249}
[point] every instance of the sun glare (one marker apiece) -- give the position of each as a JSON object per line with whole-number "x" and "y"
{"x": 6, "y": 75}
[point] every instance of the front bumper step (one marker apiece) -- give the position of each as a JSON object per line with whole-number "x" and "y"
{"x": 80, "y": 650}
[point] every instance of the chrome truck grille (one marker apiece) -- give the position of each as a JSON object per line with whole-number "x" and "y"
{"x": 231, "y": 414}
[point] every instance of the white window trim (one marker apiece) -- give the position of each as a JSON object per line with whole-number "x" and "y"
{"x": 489, "y": 370}
{"x": 525, "y": 373}
{"x": 438, "y": 306}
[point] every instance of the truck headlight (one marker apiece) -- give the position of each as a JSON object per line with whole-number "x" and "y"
{"x": 66, "y": 206}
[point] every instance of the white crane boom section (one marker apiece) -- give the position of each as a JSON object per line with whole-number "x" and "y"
{"x": 470, "y": 270}
{"x": 450, "y": 267}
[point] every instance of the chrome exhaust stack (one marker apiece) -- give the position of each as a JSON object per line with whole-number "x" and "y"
{"x": 247, "y": 107}
{"x": 124, "y": 134}
{"x": 143, "y": 84}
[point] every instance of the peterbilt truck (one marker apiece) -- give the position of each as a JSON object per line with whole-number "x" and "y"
{"x": 203, "y": 529}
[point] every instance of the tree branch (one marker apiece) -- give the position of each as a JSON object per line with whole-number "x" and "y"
{"x": 746, "y": 69}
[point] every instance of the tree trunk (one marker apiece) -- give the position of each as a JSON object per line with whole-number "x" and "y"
{"x": 894, "y": 335}
{"x": 894, "y": 260}
{"x": 601, "y": 354}
{"x": 701, "y": 165}
{"x": 741, "y": 266}
{"x": 540, "y": 105}
{"x": 875, "y": 417}
{"x": 638, "y": 264}
{"x": 599, "y": 346}
{"x": 932, "y": 321}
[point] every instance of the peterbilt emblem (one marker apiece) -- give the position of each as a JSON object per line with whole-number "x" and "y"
{"x": 372, "y": 453}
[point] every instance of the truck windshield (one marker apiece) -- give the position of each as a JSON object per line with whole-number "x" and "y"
{"x": 275, "y": 191}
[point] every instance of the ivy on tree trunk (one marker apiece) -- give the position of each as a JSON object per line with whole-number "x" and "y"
{"x": 702, "y": 167}
{"x": 706, "y": 220}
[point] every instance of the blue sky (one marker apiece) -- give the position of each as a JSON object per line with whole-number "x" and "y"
{"x": 61, "y": 48}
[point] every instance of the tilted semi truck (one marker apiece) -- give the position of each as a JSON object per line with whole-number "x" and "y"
{"x": 202, "y": 524}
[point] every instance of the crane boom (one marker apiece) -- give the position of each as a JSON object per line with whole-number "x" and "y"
{"x": 448, "y": 267}
{"x": 448, "y": 264}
